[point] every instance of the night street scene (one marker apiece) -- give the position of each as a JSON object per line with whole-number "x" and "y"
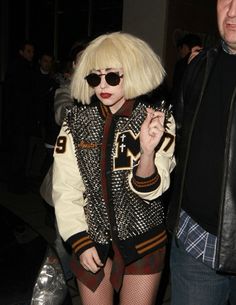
{"x": 34, "y": 260}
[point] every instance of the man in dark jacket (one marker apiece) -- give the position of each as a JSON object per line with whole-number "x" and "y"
{"x": 202, "y": 213}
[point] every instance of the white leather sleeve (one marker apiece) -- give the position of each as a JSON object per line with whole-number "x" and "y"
{"x": 68, "y": 188}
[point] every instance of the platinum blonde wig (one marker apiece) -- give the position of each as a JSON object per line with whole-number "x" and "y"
{"x": 142, "y": 68}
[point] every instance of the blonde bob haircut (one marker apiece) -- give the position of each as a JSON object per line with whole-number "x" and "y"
{"x": 142, "y": 68}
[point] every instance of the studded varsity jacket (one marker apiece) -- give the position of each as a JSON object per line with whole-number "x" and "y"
{"x": 97, "y": 196}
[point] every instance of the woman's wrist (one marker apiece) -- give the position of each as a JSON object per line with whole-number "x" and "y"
{"x": 147, "y": 153}
{"x": 146, "y": 165}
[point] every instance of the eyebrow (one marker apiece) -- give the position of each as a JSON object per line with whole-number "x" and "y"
{"x": 107, "y": 69}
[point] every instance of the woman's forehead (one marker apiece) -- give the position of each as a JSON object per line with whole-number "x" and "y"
{"x": 107, "y": 70}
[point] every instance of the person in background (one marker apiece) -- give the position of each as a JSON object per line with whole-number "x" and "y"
{"x": 202, "y": 214}
{"x": 63, "y": 99}
{"x": 112, "y": 163}
{"x": 185, "y": 45}
{"x": 19, "y": 114}
{"x": 47, "y": 86}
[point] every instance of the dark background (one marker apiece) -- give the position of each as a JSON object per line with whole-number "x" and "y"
{"x": 55, "y": 25}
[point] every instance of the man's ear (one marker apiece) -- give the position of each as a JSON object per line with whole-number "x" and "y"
{"x": 21, "y": 52}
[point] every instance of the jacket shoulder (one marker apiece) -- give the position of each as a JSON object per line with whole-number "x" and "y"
{"x": 200, "y": 60}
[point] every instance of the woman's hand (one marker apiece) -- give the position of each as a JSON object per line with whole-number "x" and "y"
{"x": 152, "y": 131}
{"x": 90, "y": 260}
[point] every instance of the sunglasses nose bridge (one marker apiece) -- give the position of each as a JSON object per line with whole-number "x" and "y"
{"x": 103, "y": 82}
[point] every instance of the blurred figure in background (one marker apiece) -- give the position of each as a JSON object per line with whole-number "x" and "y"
{"x": 63, "y": 97}
{"x": 47, "y": 86}
{"x": 19, "y": 115}
{"x": 184, "y": 49}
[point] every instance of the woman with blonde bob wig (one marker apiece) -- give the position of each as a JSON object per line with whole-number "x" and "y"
{"x": 141, "y": 66}
{"x": 112, "y": 163}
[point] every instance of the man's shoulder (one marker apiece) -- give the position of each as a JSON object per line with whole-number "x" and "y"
{"x": 203, "y": 56}
{"x": 198, "y": 65}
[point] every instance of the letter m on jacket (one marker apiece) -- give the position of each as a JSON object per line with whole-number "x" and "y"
{"x": 127, "y": 150}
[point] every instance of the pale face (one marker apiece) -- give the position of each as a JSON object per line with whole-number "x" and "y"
{"x": 46, "y": 63}
{"x": 28, "y": 52}
{"x": 226, "y": 15}
{"x": 111, "y": 96}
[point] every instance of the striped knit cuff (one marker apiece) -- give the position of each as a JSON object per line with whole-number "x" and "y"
{"x": 80, "y": 242}
{"x": 153, "y": 243}
{"x": 147, "y": 184}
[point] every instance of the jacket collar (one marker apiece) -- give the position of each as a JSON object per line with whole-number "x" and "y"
{"x": 226, "y": 48}
{"x": 125, "y": 110}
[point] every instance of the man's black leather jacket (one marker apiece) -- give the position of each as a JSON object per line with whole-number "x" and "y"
{"x": 193, "y": 88}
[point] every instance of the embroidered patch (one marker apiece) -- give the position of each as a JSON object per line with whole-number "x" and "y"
{"x": 85, "y": 145}
{"x": 127, "y": 150}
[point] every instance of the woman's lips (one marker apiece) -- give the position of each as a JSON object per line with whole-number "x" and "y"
{"x": 105, "y": 95}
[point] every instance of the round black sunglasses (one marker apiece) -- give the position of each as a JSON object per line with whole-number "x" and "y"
{"x": 112, "y": 78}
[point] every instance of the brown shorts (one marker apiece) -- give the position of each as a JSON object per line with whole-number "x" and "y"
{"x": 149, "y": 264}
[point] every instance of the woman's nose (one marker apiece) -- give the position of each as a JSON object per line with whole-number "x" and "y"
{"x": 103, "y": 82}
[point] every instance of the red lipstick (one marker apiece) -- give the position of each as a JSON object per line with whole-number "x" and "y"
{"x": 105, "y": 95}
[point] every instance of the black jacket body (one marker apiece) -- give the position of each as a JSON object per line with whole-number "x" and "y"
{"x": 192, "y": 91}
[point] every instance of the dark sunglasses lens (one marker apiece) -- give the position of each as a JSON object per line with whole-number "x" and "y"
{"x": 113, "y": 79}
{"x": 93, "y": 79}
